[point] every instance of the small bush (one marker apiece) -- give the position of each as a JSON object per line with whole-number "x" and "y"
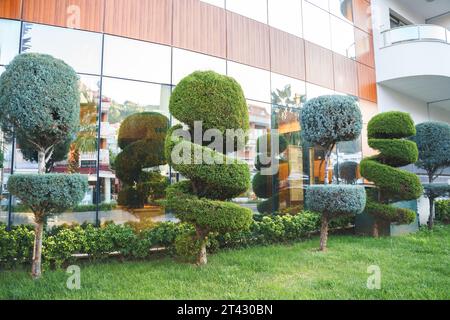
{"x": 187, "y": 247}
{"x": 443, "y": 211}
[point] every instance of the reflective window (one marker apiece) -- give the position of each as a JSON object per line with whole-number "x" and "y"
{"x": 343, "y": 38}
{"x": 349, "y": 155}
{"x": 218, "y": 3}
{"x": 5, "y": 172}
{"x": 286, "y": 15}
{"x": 80, "y": 49}
{"x": 314, "y": 91}
{"x": 185, "y": 62}
{"x": 342, "y": 8}
{"x": 316, "y": 25}
{"x": 320, "y": 3}
{"x": 69, "y": 156}
{"x": 137, "y": 60}
{"x": 9, "y": 40}
{"x": 255, "y": 9}
{"x": 122, "y": 99}
{"x": 287, "y": 91}
{"x": 255, "y": 82}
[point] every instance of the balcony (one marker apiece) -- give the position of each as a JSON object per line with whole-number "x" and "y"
{"x": 413, "y": 60}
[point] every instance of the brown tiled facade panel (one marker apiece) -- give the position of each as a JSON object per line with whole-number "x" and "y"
{"x": 200, "y": 27}
{"x": 345, "y": 75}
{"x": 362, "y": 15}
{"x": 367, "y": 83}
{"x": 287, "y": 54}
{"x": 248, "y": 41}
{"x": 10, "y": 9}
{"x": 149, "y": 20}
{"x": 319, "y": 65}
{"x": 78, "y": 14}
{"x": 364, "y": 48}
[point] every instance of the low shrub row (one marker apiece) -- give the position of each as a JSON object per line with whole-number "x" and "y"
{"x": 62, "y": 244}
{"x": 21, "y": 208}
{"x": 443, "y": 211}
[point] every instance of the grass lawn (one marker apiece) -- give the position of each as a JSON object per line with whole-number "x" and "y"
{"x": 413, "y": 267}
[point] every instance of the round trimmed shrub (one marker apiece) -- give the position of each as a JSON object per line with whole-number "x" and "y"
{"x": 218, "y": 102}
{"x": 150, "y": 126}
{"x": 387, "y": 133}
{"x": 327, "y": 120}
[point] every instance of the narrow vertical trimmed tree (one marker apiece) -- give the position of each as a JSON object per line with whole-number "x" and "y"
{"x": 39, "y": 102}
{"x": 327, "y": 120}
{"x": 433, "y": 143}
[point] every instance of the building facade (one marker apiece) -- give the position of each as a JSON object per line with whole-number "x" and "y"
{"x": 130, "y": 54}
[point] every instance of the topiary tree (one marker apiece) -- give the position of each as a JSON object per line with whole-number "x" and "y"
{"x": 325, "y": 121}
{"x": 334, "y": 201}
{"x": 141, "y": 138}
{"x": 218, "y": 102}
{"x": 387, "y": 132}
{"x": 39, "y": 102}
{"x": 264, "y": 186}
{"x": 433, "y": 143}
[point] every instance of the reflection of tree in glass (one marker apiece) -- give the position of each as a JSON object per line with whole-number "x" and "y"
{"x": 120, "y": 111}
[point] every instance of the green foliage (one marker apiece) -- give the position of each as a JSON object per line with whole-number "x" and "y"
{"x": 335, "y": 200}
{"x": 266, "y": 141}
{"x": 327, "y": 120}
{"x": 216, "y": 100}
{"x": 50, "y": 193}
{"x": 391, "y": 125}
{"x": 142, "y": 137}
{"x": 262, "y": 185}
{"x": 387, "y": 133}
{"x": 433, "y": 142}
{"x": 39, "y": 99}
{"x": 61, "y": 243}
{"x": 346, "y": 171}
{"x": 443, "y": 211}
{"x": 437, "y": 190}
{"x": 187, "y": 247}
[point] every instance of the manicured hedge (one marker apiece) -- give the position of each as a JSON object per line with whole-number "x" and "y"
{"x": 61, "y": 243}
{"x": 391, "y": 125}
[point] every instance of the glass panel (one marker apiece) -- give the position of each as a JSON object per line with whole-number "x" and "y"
{"x": 4, "y": 175}
{"x": 287, "y": 91}
{"x": 320, "y": 3}
{"x": 286, "y": 15}
{"x": 259, "y": 125}
{"x": 255, "y": 82}
{"x": 342, "y": 8}
{"x": 346, "y": 169}
{"x": 293, "y": 173}
{"x": 401, "y": 34}
{"x": 255, "y": 9}
{"x": 318, "y": 165}
{"x": 137, "y": 60}
{"x": 343, "y": 38}
{"x": 78, "y": 154}
{"x": 121, "y": 99}
{"x": 316, "y": 25}
{"x": 9, "y": 40}
{"x": 80, "y": 49}
{"x": 218, "y": 3}
{"x": 185, "y": 62}
{"x": 313, "y": 91}
{"x": 433, "y": 33}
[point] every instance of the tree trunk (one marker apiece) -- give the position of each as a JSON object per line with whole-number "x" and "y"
{"x": 41, "y": 162}
{"x": 327, "y": 159}
{"x": 324, "y": 233}
{"x": 375, "y": 230}
{"x": 36, "y": 270}
{"x": 201, "y": 236}
{"x": 431, "y": 217}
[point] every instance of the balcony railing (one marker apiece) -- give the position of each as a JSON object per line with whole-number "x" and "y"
{"x": 418, "y": 32}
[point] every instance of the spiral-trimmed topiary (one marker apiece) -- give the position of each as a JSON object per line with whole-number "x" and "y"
{"x": 387, "y": 132}
{"x": 218, "y": 102}
{"x": 141, "y": 138}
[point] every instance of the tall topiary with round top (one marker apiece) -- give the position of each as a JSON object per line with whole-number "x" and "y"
{"x": 141, "y": 138}
{"x": 202, "y": 200}
{"x": 327, "y": 120}
{"x": 39, "y": 102}
{"x": 388, "y": 133}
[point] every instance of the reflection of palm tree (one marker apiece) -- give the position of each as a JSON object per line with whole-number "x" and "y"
{"x": 283, "y": 97}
